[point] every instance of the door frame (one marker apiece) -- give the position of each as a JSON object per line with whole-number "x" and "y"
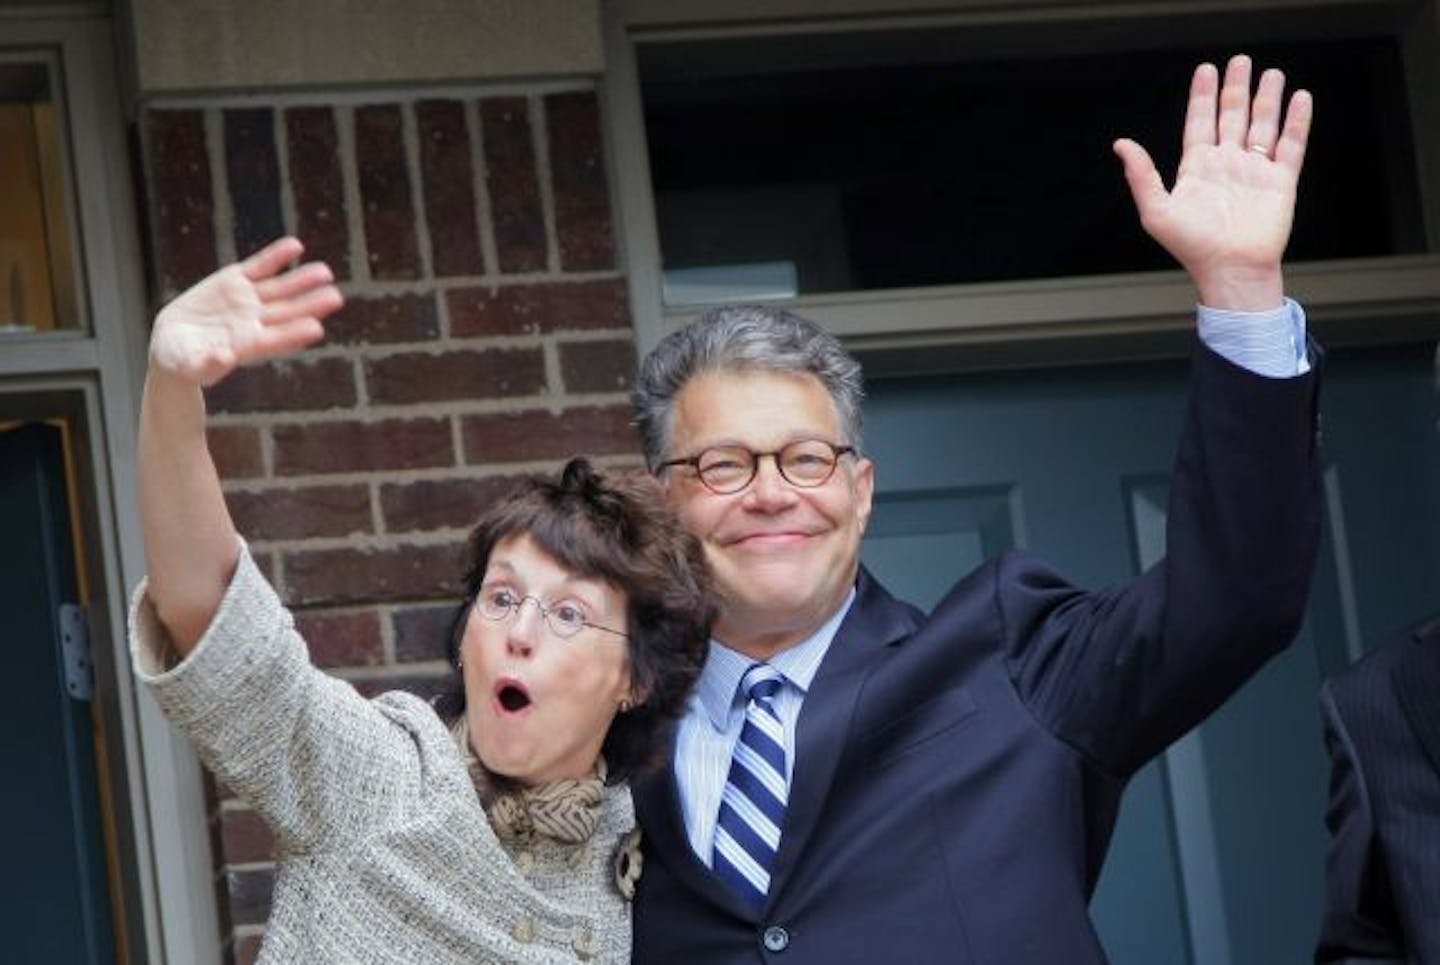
{"x": 93, "y": 378}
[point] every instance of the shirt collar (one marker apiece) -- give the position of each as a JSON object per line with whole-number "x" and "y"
{"x": 719, "y": 682}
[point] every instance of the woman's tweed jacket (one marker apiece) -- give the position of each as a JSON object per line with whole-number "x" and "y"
{"x": 384, "y": 852}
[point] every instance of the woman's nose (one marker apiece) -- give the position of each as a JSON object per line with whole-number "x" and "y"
{"x": 525, "y": 625}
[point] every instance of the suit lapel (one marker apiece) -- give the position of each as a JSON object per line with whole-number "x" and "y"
{"x": 1417, "y": 686}
{"x": 657, "y": 805}
{"x": 875, "y": 620}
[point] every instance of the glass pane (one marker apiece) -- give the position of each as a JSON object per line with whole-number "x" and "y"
{"x": 880, "y": 161}
{"x": 37, "y": 271}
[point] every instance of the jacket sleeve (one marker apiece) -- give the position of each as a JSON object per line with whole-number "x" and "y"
{"x": 314, "y": 758}
{"x": 1120, "y": 673}
{"x": 1360, "y": 920}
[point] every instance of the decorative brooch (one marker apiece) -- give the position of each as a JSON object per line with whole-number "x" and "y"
{"x": 628, "y": 863}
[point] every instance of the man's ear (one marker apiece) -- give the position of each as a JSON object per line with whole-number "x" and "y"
{"x": 863, "y": 477}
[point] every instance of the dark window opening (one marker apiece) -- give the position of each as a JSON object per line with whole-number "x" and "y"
{"x": 933, "y": 173}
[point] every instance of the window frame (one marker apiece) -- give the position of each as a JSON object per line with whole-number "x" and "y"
{"x": 1049, "y": 321}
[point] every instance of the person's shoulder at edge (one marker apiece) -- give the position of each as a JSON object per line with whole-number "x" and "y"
{"x": 1425, "y": 633}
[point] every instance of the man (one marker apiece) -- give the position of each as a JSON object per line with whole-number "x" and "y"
{"x": 857, "y": 781}
{"x": 1382, "y": 729}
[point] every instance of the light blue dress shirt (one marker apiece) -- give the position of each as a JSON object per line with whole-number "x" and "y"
{"x": 707, "y": 734}
{"x": 1272, "y": 344}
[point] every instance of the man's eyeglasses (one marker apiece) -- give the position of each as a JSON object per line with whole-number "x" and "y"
{"x": 564, "y": 619}
{"x": 806, "y": 463}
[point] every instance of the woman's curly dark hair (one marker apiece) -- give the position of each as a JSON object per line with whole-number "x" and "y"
{"x": 617, "y": 529}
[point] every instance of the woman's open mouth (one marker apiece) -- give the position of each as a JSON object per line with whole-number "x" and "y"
{"x": 511, "y": 696}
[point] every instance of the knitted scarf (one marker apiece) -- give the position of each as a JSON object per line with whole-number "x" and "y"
{"x": 567, "y": 810}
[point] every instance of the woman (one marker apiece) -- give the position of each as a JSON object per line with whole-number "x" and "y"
{"x": 495, "y": 826}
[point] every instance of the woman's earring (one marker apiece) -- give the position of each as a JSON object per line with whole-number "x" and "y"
{"x": 625, "y": 705}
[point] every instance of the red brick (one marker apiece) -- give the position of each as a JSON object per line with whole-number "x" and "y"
{"x": 236, "y": 451}
{"x": 348, "y": 639}
{"x": 287, "y": 385}
{"x": 385, "y": 193}
{"x": 250, "y": 895}
{"x": 362, "y": 446}
{"x": 516, "y": 212}
{"x": 339, "y": 576}
{"x": 422, "y": 685}
{"x": 546, "y": 307}
{"x": 422, "y": 632}
{"x": 390, "y": 318}
{"x": 597, "y": 366}
{"x": 245, "y": 837}
{"x": 439, "y": 503}
{"x": 184, "y": 206}
{"x": 317, "y": 188}
{"x": 252, "y": 172}
{"x": 302, "y": 512}
{"x": 428, "y": 377}
{"x": 489, "y": 439}
{"x": 577, "y": 174}
{"x": 447, "y": 181}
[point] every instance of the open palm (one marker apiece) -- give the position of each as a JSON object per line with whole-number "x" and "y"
{"x": 245, "y": 312}
{"x": 1227, "y": 219}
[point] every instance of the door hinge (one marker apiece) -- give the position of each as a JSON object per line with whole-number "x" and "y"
{"x": 75, "y": 650}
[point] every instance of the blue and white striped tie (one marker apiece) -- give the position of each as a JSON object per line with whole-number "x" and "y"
{"x": 752, "y": 807}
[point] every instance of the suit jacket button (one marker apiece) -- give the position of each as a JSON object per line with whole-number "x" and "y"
{"x": 775, "y": 939}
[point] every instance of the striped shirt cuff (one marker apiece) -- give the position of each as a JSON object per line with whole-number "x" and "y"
{"x": 1272, "y": 344}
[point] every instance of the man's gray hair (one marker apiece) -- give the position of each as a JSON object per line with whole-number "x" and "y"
{"x": 742, "y": 338}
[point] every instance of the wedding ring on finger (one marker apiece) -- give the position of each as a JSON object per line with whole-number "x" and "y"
{"x": 1259, "y": 149}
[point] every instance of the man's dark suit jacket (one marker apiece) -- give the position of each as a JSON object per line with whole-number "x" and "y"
{"x": 957, "y": 776}
{"x": 1382, "y": 728}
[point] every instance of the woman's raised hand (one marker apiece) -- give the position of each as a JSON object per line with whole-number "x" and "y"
{"x": 245, "y": 312}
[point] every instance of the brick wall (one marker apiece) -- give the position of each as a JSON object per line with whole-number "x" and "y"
{"x": 486, "y": 335}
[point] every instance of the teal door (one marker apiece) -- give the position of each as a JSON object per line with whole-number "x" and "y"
{"x": 54, "y": 903}
{"x": 1218, "y": 857}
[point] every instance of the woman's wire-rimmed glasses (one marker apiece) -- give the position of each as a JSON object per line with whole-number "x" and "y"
{"x": 564, "y": 619}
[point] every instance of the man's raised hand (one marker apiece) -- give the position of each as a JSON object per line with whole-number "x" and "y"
{"x": 1227, "y": 219}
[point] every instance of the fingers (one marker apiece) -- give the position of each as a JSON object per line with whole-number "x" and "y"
{"x": 303, "y": 292}
{"x": 285, "y": 337}
{"x": 272, "y": 258}
{"x": 1290, "y": 149}
{"x": 314, "y": 303}
{"x": 1234, "y": 119}
{"x": 1200, "y": 112}
{"x": 1231, "y": 117}
{"x": 295, "y": 281}
{"x": 1265, "y": 113}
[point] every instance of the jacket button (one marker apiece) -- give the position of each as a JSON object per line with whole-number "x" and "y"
{"x": 523, "y": 931}
{"x": 585, "y": 945}
{"x": 776, "y": 939}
